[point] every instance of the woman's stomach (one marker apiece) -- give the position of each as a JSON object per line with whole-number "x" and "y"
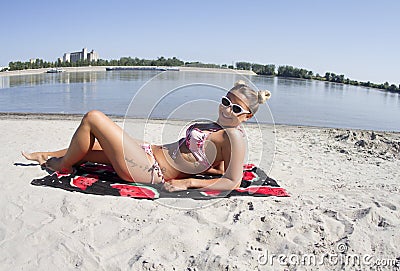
{"x": 181, "y": 165}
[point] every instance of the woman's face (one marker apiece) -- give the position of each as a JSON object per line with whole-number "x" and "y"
{"x": 227, "y": 117}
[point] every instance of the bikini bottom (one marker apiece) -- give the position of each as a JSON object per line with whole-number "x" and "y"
{"x": 155, "y": 167}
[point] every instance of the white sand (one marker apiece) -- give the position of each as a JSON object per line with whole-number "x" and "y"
{"x": 341, "y": 193}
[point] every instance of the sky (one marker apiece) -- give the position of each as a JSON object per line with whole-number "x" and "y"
{"x": 359, "y": 39}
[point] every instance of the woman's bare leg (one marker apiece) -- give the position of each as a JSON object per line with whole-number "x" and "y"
{"x": 124, "y": 153}
{"x": 96, "y": 155}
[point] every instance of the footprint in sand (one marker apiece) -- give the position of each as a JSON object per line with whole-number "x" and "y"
{"x": 379, "y": 220}
{"x": 336, "y": 227}
{"x": 390, "y": 206}
{"x": 360, "y": 214}
{"x": 289, "y": 219}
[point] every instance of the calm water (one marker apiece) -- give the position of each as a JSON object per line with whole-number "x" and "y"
{"x": 184, "y": 95}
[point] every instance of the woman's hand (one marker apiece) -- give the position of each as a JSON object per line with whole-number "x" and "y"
{"x": 176, "y": 185}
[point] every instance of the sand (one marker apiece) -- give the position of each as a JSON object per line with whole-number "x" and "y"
{"x": 344, "y": 187}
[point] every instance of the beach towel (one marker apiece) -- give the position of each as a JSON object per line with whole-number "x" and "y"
{"x": 99, "y": 179}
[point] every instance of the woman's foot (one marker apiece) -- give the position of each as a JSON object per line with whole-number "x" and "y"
{"x": 55, "y": 164}
{"x": 40, "y": 157}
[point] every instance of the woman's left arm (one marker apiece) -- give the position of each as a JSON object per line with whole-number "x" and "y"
{"x": 233, "y": 152}
{"x": 218, "y": 169}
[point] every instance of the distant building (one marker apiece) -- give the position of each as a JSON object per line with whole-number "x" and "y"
{"x": 82, "y": 55}
{"x": 33, "y": 60}
{"x": 66, "y": 57}
{"x": 93, "y": 56}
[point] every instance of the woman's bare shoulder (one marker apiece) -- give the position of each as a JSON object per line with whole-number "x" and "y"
{"x": 233, "y": 132}
{"x": 232, "y": 136}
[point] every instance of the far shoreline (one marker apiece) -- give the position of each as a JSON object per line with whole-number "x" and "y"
{"x": 103, "y": 68}
{"x": 118, "y": 118}
{"x": 181, "y": 68}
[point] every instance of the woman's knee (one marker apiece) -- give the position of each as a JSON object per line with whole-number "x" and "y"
{"x": 93, "y": 116}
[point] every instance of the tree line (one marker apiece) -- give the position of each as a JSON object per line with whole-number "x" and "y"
{"x": 123, "y": 61}
{"x": 269, "y": 70}
{"x": 292, "y": 72}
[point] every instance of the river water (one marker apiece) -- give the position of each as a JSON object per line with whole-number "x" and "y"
{"x": 195, "y": 95}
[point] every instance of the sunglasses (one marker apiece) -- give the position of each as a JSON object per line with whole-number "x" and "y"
{"x": 236, "y": 109}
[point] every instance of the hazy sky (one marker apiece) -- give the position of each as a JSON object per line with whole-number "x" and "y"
{"x": 360, "y": 39}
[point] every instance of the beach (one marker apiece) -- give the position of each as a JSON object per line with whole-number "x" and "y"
{"x": 344, "y": 202}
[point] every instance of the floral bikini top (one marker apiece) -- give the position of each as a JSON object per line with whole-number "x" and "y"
{"x": 194, "y": 141}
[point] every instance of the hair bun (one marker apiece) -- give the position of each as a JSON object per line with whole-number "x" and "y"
{"x": 240, "y": 82}
{"x": 263, "y": 96}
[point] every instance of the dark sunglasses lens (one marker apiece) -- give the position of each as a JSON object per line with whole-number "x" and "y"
{"x": 236, "y": 109}
{"x": 225, "y": 101}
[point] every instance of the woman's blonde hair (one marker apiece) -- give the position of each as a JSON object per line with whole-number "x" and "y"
{"x": 254, "y": 98}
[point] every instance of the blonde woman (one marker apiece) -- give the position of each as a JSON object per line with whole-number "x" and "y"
{"x": 208, "y": 148}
